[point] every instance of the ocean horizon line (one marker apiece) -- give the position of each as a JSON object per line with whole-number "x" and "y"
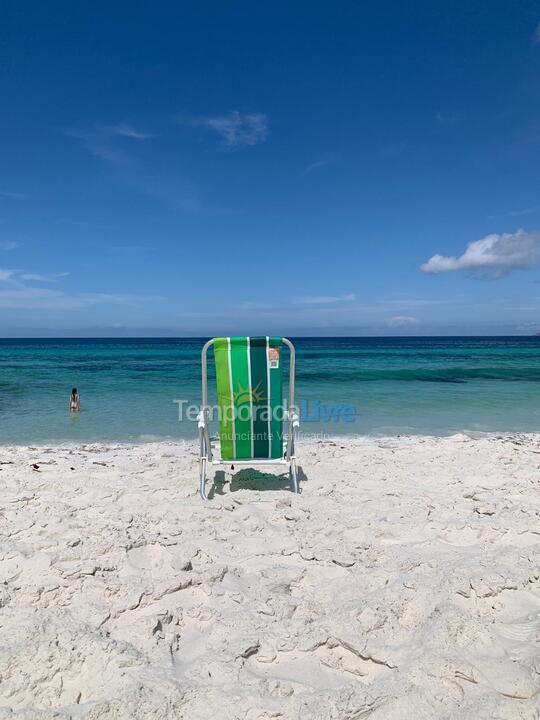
{"x": 290, "y": 335}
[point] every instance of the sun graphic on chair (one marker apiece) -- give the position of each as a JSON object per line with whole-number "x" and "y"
{"x": 247, "y": 395}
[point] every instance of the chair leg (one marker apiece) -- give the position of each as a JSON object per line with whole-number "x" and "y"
{"x": 202, "y": 478}
{"x": 294, "y": 475}
{"x": 292, "y": 458}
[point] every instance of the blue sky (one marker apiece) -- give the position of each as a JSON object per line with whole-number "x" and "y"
{"x": 300, "y": 168}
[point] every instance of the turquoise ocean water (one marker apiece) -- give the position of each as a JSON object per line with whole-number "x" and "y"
{"x": 396, "y": 385}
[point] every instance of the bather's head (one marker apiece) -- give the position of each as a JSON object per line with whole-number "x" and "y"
{"x": 73, "y": 391}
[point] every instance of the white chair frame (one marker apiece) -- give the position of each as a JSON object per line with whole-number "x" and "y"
{"x": 206, "y": 456}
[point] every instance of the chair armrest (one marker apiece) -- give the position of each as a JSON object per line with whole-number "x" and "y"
{"x": 291, "y": 416}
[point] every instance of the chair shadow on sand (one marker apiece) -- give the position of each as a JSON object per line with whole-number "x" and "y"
{"x": 251, "y": 479}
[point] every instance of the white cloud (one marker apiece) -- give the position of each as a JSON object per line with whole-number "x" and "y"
{"x": 14, "y": 195}
{"x": 314, "y": 166}
{"x": 401, "y": 321}
{"x": 328, "y": 299}
{"x": 17, "y": 277}
{"x": 6, "y": 275}
{"x": 406, "y": 303}
{"x": 447, "y": 119}
{"x": 394, "y": 149}
{"x": 8, "y": 245}
{"x": 322, "y": 162}
{"x": 524, "y": 211}
{"x": 18, "y": 293}
{"x": 100, "y": 141}
{"x": 37, "y": 277}
{"x": 114, "y": 144}
{"x": 82, "y": 224}
{"x": 253, "y": 305}
{"x": 493, "y": 256}
{"x": 237, "y": 129}
{"x": 124, "y": 130}
{"x": 32, "y": 298}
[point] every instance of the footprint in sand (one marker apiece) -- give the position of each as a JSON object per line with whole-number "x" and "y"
{"x": 153, "y": 558}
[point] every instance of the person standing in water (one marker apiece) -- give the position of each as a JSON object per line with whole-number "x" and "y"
{"x": 74, "y": 401}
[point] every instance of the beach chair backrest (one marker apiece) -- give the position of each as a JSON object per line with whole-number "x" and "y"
{"x": 250, "y": 396}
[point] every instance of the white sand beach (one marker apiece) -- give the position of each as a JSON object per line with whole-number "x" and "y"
{"x": 404, "y": 582}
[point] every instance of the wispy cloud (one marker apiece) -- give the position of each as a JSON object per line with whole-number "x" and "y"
{"x": 328, "y": 299}
{"x": 6, "y": 275}
{"x": 37, "y": 277}
{"x": 322, "y": 162}
{"x": 123, "y": 130}
{"x": 405, "y": 303}
{"x": 493, "y": 256}
{"x": 114, "y": 143}
{"x": 82, "y": 224}
{"x": 17, "y": 294}
{"x": 14, "y": 195}
{"x": 235, "y": 129}
{"x": 520, "y": 213}
{"x": 17, "y": 277}
{"x": 294, "y": 317}
{"x": 101, "y": 141}
{"x": 8, "y": 245}
{"x": 314, "y": 166}
{"x": 32, "y": 298}
{"x": 253, "y": 305}
{"x": 129, "y": 248}
{"x": 447, "y": 119}
{"x": 401, "y": 321}
{"x": 394, "y": 149}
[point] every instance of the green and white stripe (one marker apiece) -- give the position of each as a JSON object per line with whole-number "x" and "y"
{"x": 250, "y": 388}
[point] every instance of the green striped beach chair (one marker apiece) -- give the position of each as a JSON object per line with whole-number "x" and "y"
{"x": 251, "y": 406}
